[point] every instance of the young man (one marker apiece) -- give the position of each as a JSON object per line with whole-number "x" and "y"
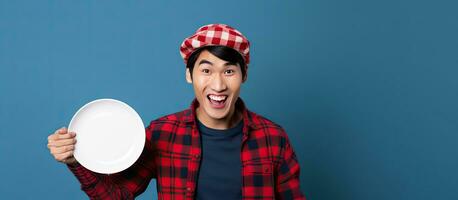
{"x": 217, "y": 149}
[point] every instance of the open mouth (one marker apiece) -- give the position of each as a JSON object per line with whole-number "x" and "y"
{"x": 217, "y": 101}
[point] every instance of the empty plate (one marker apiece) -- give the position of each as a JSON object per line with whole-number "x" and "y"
{"x": 110, "y": 136}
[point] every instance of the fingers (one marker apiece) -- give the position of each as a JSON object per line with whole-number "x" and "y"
{"x": 58, "y": 136}
{"x": 61, "y": 142}
{"x": 55, "y": 135}
{"x": 66, "y": 135}
{"x": 62, "y": 145}
{"x": 62, "y": 149}
{"x": 62, "y": 157}
{"x": 62, "y": 130}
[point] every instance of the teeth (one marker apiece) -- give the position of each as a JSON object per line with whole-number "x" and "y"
{"x": 217, "y": 98}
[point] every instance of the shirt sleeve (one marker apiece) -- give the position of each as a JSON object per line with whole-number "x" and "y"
{"x": 123, "y": 185}
{"x": 287, "y": 182}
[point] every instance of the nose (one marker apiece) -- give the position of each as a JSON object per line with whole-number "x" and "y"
{"x": 218, "y": 83}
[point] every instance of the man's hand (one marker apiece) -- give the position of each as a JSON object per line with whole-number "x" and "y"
{"x": 61, "y": 145}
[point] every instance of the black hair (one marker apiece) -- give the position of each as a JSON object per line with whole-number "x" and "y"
{"x": 222, "y": 52}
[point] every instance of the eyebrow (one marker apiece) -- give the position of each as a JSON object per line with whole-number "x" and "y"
{"x": 203, "y": 61}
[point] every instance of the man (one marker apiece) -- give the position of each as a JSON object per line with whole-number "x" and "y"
{"x": 217, "y": 149}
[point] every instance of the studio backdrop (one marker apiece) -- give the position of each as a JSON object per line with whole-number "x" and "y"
{"x": 366, "y": 90}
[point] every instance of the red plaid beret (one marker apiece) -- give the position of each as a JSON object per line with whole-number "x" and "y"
{"x": 216, "y": 34}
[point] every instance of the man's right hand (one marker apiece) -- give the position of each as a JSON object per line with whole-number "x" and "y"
{"x": 61, "y": 145}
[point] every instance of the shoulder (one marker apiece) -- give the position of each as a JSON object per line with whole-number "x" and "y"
{"x": 267, "y": 134}
{"x": 168, "y": 123}
{"x": 267, "y": 126}
{"x": 266, "y": 131}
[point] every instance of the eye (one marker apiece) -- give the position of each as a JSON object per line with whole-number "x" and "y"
{"x": 229, "y": 71}
{"x": 206, "y": 71}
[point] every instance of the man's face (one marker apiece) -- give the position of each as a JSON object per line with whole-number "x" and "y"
{"x": 216, "y": 85}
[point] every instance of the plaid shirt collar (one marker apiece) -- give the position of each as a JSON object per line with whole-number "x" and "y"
{"x": 248, "y": 122}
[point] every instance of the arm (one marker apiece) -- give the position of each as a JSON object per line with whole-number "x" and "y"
{"x": 123, "y": 185}
{"x": 287, "y": 182}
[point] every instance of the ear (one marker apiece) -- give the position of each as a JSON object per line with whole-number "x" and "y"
{"x": 188, "y": 76}
{"x": 245, "y": 77}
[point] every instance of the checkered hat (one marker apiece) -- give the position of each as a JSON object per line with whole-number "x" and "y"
{"x": 216, "y": 34}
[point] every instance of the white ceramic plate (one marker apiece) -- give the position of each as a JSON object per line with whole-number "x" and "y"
{"x": 110, "y": 136}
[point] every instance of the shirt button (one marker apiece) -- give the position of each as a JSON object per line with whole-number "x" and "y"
{"x": 197, "y": 156}
{"x": 189, "y": 189}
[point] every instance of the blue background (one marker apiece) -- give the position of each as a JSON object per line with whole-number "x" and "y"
{"x": 367, "y": 90}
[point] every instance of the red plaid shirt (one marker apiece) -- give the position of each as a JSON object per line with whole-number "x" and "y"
{"x": 270, "y": 169}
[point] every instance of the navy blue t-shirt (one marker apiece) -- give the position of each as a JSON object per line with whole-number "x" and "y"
{"x": 220, "y": 173}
